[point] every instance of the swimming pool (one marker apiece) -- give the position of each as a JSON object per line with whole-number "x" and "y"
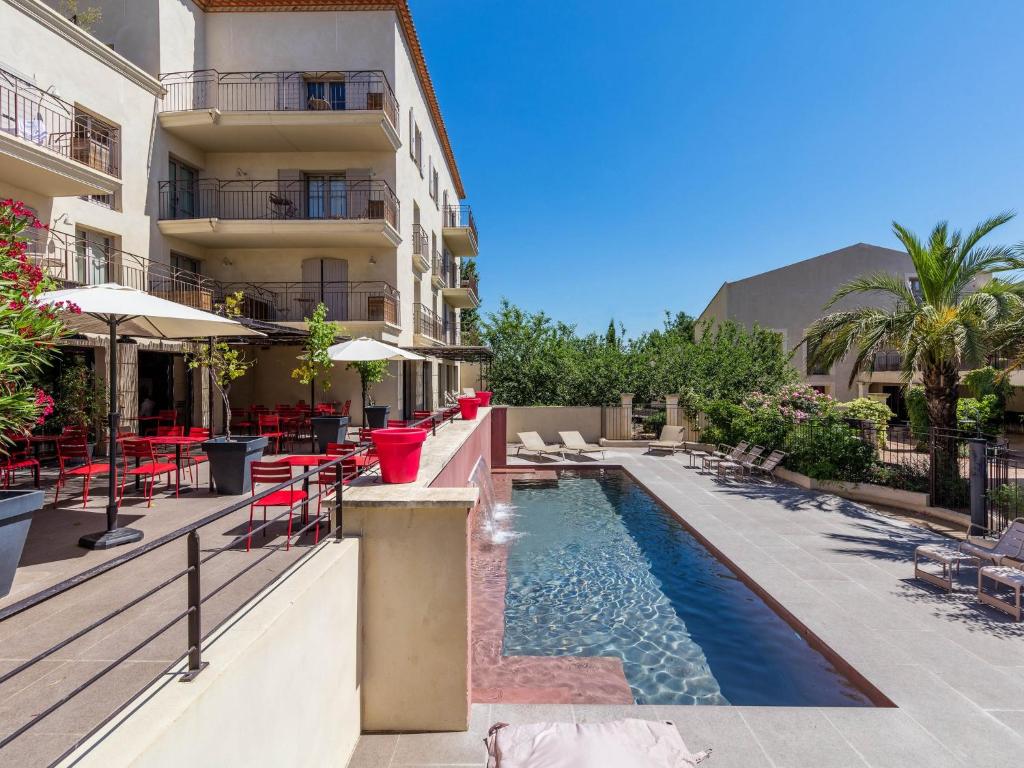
{"x": 599, "y": 568}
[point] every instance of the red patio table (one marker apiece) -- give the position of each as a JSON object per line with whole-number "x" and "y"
{"x": 177, "y": 441}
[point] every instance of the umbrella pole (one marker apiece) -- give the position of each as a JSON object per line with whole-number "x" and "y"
{"x": 113, "y": 536}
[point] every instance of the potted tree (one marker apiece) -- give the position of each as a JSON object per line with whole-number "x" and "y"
{"x": 372, "y": 372}
{"x": 81, "y": 401}
{"x": 29, "y": 333}
{"x": 314, "y": 362}
{"x": 230, "y": 457}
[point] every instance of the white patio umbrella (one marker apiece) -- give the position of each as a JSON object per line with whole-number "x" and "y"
{"x": 364, "y": 349}
{"x": 114, "y": 309}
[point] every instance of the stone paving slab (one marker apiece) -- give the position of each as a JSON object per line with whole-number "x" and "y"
{"x": 953, "y": 668}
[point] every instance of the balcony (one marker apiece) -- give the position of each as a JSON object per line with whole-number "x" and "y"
{"x": 348, "y": 302}
{"x": 420, "y": 249}
{"x": 51, "y": 147}
{"x": 460, "y": 230}
{"x": 463, "y": 294}
{"x": 439, "y": 271}
{"x": 334, "y": 111}
{"x": 74, "y": 262}
{"x": 887, "y": 362}
{"x": 427, "y": 326}
{"x": 247, "y": 213}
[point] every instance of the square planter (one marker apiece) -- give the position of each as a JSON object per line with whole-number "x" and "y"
{"x": 376, "y": 416}
{"x": 230, "y": 460}
{"x": 16, "y": 508}
{"x": 329, "y": 429}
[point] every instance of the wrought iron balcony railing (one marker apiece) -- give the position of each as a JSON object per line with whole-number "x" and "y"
{"x": 329, "y": 91}
{"x": 74, "y": 261}
{"x": 460, "y": 216}
{"x": 427, "y": 323}
{"x": 420, "y": 242}
{"x": 310, "y": 199}
{"x": 346, "y": 301}
{"x": 58, "y": 126}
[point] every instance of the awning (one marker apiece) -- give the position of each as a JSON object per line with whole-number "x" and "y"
{"x": 456, "y": 354}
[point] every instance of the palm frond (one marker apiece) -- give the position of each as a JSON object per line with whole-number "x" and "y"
{"x": 878, "y": 282}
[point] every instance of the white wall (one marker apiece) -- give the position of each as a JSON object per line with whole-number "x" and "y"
{"x": 282, "y": 687}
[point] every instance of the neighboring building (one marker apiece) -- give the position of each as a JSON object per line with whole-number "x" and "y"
{"x": 292, "y": 150}
{"x": 791, "y": 298}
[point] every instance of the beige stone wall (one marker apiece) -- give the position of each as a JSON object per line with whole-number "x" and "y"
{"x": 550, "y": 420}
{"x": 282, "y": 682}
{"x": 415, "y": 597}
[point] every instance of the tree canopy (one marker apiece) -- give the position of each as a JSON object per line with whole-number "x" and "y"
{"x": 541, "y": 361}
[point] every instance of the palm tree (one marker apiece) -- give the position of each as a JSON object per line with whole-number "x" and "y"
{"x": 957, "y": 318}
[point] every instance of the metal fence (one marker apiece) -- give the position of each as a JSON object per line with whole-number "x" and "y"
{"x": 1005, "y": 486}
{"x": 310, "y": 199}
{"x": 325, "y": 482}
{"x": 326, "y": 91}
{"x": 644, "y": 422}
{"x": 367, "y": 300}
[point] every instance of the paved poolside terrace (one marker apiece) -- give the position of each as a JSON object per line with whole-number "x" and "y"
{"x": 954, "y": 669}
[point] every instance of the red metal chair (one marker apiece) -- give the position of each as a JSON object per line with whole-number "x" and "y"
{"x": 73, "y": 449}
{"x": 167, "y": 418}
{"x": 195, "y": 454}
{"x": 363, "y": 462}
{"x": 327, "y": 480}
{"x": 18, "y": 457}
{"x": 346, "y": 408}
{"x": 143, "y": 450}
{"x": 270, "y": 428}
{"x": 272, "y": 472}
{"x": 325, "y": 408}
{"x": 240, "y": 420}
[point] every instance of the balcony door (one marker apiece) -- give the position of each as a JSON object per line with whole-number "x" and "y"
{"x": 181, "y": 191}
{"x": 325, "y": 94}
{"x": 326, "y": 196}
{"x": 326, "y": 280}
{"x": 94, "y": 252}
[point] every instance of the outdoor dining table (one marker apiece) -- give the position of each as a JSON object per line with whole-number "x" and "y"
{"x": 177, "y": 441}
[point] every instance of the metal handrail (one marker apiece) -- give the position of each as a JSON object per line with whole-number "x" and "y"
{"x": 259, "y": 199}
{"x": 313, "y": 91}
{"x": 195, "y": 562}
{"x": 39, "y": 117}
{"x": 460, "y": 216}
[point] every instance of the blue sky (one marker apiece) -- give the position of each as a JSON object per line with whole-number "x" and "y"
{"x": 624, "y": 159}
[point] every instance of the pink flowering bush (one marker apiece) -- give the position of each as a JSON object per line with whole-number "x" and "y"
{"x": 28, "y": 331}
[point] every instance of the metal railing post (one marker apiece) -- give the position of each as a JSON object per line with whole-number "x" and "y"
{"x": 195, "y": 601}
{"x": 339, "y": 484}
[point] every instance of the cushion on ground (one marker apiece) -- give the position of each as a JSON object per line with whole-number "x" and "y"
{"x": 615, "y": 744}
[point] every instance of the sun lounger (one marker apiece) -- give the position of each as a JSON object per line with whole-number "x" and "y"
{"x": 742, "y": 464}
{"x": 767, "y": 466}
{"x": 671, "y": 439}
{"x": 1010, "y": 544}
{"x": 574, "y": 442}
{"x": 532, "y": 442}
{"x": 724, "y": 453}
{"x": 1002, "y": 575}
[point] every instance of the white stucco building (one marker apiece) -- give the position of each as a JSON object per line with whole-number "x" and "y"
{"x": 294, "y": 151}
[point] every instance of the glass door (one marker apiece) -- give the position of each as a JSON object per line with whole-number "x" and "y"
{"x": 327, "y": 196}
{"x": 325, "y": 94}
{"x": 93, "y": 252}
{"x": 182, "y": 190}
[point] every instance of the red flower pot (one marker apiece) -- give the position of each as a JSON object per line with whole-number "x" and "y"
{"x": 399, "y": 451}
{"x": 485, "y": 398}
{"x": 468, "y": 407}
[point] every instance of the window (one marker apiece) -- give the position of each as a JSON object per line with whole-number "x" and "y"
{"x": 914, "y": 283}
{"x": 95, "y": 143}
{"x": 810, "y": 368}
{"x": 432, "y": 181}
{"x": 182, "y": 263}
{"x": 327, "y": 196}
{"x": 419, "y": 149}
{"x": 412, "y": 135}
{"x": 106, "y": 201}
{"x": 94, "y": 252}
{"x": 325, "y": 94}
{"x": 181, "y": 190}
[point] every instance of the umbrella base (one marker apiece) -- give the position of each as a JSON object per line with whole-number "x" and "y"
{"x": 110, "y": 539}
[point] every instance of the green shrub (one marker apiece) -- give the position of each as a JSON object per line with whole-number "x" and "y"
{"x": 829, "y": 450}
{"x": 1010, "y": 499}
{"x": 987, "y": 381}
{"x": 654, "y": 422}
{"x": 868, "y": 409}
{"x": 985, "y": 414}
{"x": 917, "y": 411}
{"x": 904, "y": 477}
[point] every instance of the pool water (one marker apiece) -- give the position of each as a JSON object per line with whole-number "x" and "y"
{"x": 599, "y": 568}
